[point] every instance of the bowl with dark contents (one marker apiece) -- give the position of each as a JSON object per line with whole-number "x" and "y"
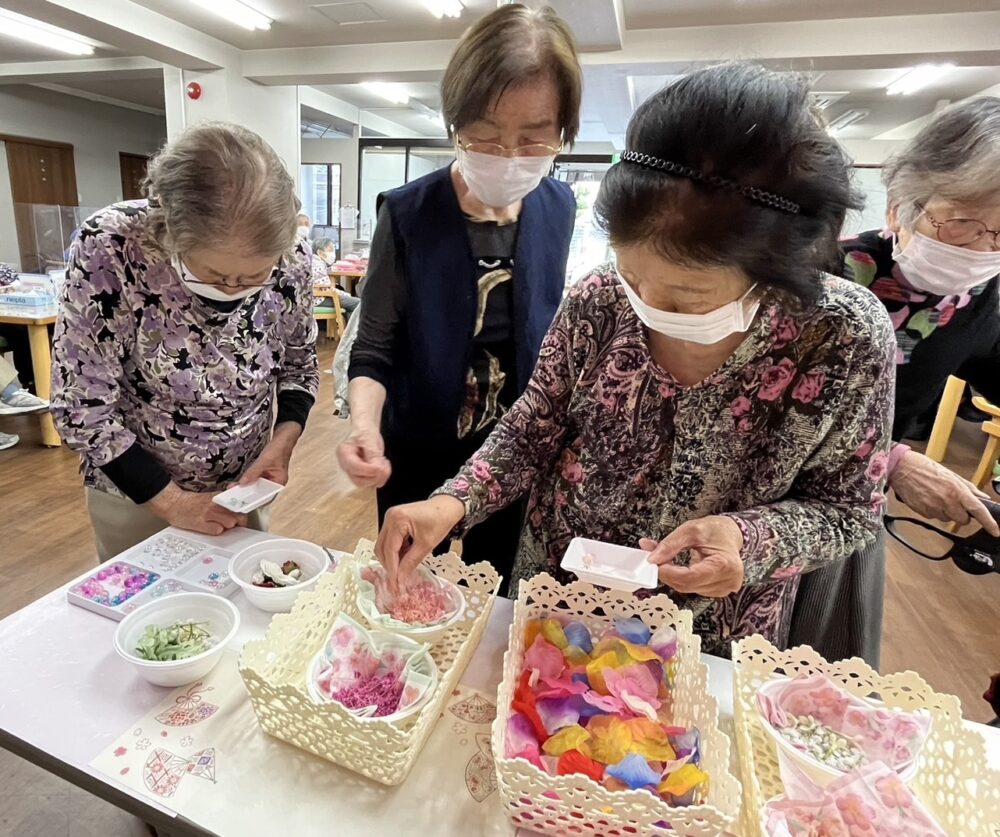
{"x": 272, "y": 573}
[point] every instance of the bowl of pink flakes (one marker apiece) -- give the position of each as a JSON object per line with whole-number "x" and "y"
{"x": 424, "y": 609}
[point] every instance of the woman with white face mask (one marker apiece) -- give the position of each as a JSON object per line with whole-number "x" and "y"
{"x": 186, "y": 322}
{"x": 935, "y": 269}
{"x": 467, "y": 270}
{"x": 713, "y": 397}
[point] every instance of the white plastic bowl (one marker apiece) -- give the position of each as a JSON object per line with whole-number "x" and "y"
{"x": 223, "y": 621}
{"x": 420, "y": 633}
{"x": 312, "y": 560}
{"x": 820, "y": 773}
{"x": 426, "y": 666}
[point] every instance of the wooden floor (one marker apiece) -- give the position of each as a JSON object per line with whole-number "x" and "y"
{"x": 938, "y": 621}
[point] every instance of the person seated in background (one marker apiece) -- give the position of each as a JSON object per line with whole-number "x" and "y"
{"x": 935, "y": 269}
{"x": 324, "y": 255}
{"x": 303, "y": 226}
{"x": 183, "y": 320}
{"x": 713, "y": 397}
{"x": 15, "y": 399}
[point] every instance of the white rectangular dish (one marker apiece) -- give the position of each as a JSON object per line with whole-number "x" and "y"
{"x": 609, "y": 565}
{"x": 247, "y": 498}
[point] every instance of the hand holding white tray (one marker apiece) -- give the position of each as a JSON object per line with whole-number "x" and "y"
{"x": 247, "y": 498}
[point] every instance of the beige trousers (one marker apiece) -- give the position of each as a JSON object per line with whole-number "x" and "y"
{"x": 119, "y": 524}
{"x": 8, "y": 374}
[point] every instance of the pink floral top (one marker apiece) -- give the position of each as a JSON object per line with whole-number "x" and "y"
{"x": 789, "y": 437}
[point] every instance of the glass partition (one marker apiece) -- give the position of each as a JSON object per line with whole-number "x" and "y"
{"x": 589, "y": 245}
{"x": 44, "y": 233}
{"x": 382, "y": 168}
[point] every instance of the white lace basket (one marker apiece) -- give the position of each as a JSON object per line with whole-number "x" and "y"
{"x": 954, "y": 779}
{"x": 274, "y": 671}
{"x": 575, "y": 804}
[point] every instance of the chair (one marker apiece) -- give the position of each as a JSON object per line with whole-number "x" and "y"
{"x": 334, "y": 317}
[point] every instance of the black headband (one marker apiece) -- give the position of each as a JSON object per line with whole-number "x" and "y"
{"x": 752, "y": 193}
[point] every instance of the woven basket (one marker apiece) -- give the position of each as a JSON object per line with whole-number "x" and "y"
{"x": 954, "y": 779}
{"x": 274, "y": 671}
{"x": 575, "y": 804}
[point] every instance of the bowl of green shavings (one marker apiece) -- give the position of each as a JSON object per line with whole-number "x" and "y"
{"x": 177, "y": 639}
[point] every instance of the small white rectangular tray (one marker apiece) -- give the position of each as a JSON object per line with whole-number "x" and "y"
{"x": 247, "y": 498}
{"x": 171, "y": 561}
{"x": 609, "y": 565}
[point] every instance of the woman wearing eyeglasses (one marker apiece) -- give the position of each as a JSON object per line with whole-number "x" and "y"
{"x": 712, "y": 397}
{"x": 467, "y": 270}
{"x": 935, "y": 269}
{"x": 183, "y": 320}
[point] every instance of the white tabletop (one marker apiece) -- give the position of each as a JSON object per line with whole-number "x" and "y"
{"x": 65, "y": 692}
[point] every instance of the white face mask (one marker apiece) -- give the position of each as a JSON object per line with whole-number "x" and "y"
{"x": 944, "y": 269}
{"x": 733, "y": 317}
{"x": 303, "y": 231}
{"x": 208, "y": 291}
{"x": 501, "y": 181}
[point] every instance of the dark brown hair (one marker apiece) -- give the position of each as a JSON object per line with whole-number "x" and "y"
{"x": 508, "y": 47}
{"x": 735, "y": 122}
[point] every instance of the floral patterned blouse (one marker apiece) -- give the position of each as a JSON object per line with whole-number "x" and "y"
{"x": 789, "y": 437}
{"x": 144, "y": 367}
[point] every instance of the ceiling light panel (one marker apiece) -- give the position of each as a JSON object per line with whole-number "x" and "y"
{"x": 846, "y": 119}
{"x": 349, "y": 14}
{"x": 444, "y": 8}
{"x": 42, "y": 35}
{"x": 236, "y": 12}
{"x": 393, "y": 93}
{"x": 918, "y": 78}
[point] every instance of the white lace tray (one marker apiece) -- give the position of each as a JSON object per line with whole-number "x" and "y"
{"x": 575, "y": 804}
{"x": 274, "y": 671}
{"x": 953, "y": 780}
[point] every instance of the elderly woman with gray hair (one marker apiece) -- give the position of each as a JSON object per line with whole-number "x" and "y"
{"x": 935, "y": 269}
{"x": 185, "y": 348}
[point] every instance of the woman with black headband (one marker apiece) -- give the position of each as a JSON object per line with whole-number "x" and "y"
{"x": 713, "y": 397}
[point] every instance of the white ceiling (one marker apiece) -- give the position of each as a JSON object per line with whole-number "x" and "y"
{"x": 621, "y": 67}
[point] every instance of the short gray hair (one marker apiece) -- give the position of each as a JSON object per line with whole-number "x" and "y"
{"x": 219, "y": 184}
{"x": 955, "y": 157}
{"x": 322, "y": 243}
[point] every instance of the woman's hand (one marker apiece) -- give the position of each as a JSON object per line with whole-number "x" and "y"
{"x": 715, "y": 544}
{"x": 934, "y": 492}
{"x": 272, "y": 464}
{"x": 362, "y": 457}
{"x": 194, "y": 511}
{"x": 410, "y": 533}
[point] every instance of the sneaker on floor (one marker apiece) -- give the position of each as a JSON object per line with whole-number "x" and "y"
{"x": 8, "y": 440}
{"x": 22, "y": 401}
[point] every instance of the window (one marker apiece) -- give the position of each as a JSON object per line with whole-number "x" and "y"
{"x": 321, "y": 193}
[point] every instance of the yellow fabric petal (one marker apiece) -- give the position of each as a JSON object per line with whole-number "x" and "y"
{"x": 626, "y": 651}
{"x": 568, "y": 738}
{"x": 531, "y": 630}
{"x": 650, "y": 740}
{"x": 595, "y": 671}
{"x": 682, "y": 780}
{"x": 554, "y": 633}
{"x": 610, "y": 739}
{"x": 576, "y": 656}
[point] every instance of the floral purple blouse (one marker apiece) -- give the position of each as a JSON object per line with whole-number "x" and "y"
{"x": 789, "y": 437}
{"x": 141, "y": 363}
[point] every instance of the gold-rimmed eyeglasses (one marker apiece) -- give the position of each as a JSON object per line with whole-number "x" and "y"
{"x": 961, "y": 232}
{"x": 496, "y": 150}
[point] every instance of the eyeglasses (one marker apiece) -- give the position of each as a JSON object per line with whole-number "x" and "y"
{"x": 976, "y": 554}
{"x": 230, "y": 281}
{"x": 495, "y": 150}
{"x": 961, "y": 232}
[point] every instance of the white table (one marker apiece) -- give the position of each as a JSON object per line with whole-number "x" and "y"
{"x": 65, "y": 695}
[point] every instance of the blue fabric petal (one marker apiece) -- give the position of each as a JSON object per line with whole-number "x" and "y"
{"x": 634, "y": 630}
{"x": 580, "y": 677}
{"x": 578, "y": 635}
{"x": 634, "y": 771}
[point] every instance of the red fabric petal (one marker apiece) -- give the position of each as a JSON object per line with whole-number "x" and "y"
{"x": 573, "y": 761}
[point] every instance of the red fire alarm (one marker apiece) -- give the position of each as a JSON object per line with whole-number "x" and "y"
{"x": 194, "y": 90}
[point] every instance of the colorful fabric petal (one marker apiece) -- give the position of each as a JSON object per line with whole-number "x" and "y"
{"x": 649, "y": 739}
{"x": 610, "y": 740}
{"x": 573, "y": 761}
{"x": 544, "y": 658}
{"x": 557, "y": 713}
{"x": 569, "y": 738}
{"x": 635, "y": 687}
{"x": 664, "y": 642}
{"x": 633, "y": 629}
{"x": 627, "y": 652}
{"x": 578, "y": 634}
{"x": 606, "y": 703}
{"x": 531, "y": 630}
{"x": 682, "y": 781}
{"x": 576, "y": 656}
{"x": 686, "y": 743}
{"x": 596, "y": 669}
{"x": 553, "y": 632}
{"x": 560, "y": 687}
{"x": 524, "y": 702}
{"x": 520, "y": 733}
{"x": 634, "y": 771}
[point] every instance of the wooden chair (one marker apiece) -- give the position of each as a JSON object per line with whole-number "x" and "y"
{"x": 334, "y": 317}
{"x": 984, "y": 470}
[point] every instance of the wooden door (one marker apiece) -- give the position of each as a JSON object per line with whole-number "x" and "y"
{"x": 41, "y": 173}
{"x": 133, "y": 168}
